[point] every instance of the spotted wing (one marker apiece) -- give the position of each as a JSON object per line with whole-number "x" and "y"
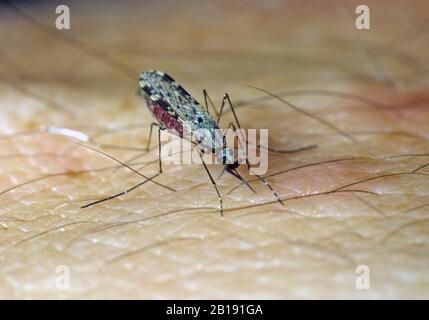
{"x": 163, "y": 89}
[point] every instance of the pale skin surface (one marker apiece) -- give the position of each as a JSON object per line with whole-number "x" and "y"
{"x": 154, "y": 243}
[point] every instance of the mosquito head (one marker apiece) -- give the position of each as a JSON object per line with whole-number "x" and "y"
{"x": 231, "y": 169}
{"x": 232, "y": 166}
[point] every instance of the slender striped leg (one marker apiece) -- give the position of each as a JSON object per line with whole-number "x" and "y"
{"x": 208, "y": 100}
{"x": 224, "y": 100}
{"x": 159, "y": 142}
{"x": 214, "y": 185}
{"x": 247, "y": 160}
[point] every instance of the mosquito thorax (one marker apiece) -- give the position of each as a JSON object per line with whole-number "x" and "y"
{"x": 225, "y": 156}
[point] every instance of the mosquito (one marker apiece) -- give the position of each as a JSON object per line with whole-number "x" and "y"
{"x": 174, "y": 109}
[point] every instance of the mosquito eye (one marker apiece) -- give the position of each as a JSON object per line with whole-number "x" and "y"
{"x": 199, "y": 119}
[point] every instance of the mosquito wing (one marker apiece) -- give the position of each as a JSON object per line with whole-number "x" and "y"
{"x": 164, "y": 90}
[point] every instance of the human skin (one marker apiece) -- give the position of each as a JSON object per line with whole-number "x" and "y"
{"x": 347, "y": 202}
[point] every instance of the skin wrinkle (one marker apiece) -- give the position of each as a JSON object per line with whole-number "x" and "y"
{"x": 346, "y": 204}
{"x": 415, "y": 170}
{"x": 65, "y": 173}
{"x": 401, "y": 228}
{"x": 148, "y": 247}
{"x": 136, "y": 171}
{"x": 370, "y": 205}
{"x": 416, "y": 208}
{"x": 303, "y": 244}
{"x": 211, "y": 210}
{"x": 48, "y": 231}
{"x": 118, "y": 224}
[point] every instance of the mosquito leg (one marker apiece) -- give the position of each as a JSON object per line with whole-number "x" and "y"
{"x": 120, "y": 193}
{"x": 221, "y": 109}
{"x": 159, "y": 142}
{"x": 226, "y": 97}
{"x": 149, "y": 141}
{"x": 214, "y": 185}
{"x": 147, "y": 148}
{"x": 271, "y": 188}
{"x": 273, "y": 150}
{"x": 123, "y": 164}
{"x": 142, "y": 182}
{"x": 248, "y": 163}
{"x": 150, "y": 134}
{"x": 224, "y": 100}
{"x": 206, "y": 96}
{"x": 231, "y": 125}
{"x": 207, "y": 100}
{"x": 224, "y": 144}
{"x": 159, "y": 148}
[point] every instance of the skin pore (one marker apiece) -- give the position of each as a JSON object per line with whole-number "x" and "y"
{"x": 359, "y": 199}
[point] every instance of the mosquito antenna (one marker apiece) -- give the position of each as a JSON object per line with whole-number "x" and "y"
{"x": 308, "y": 114}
